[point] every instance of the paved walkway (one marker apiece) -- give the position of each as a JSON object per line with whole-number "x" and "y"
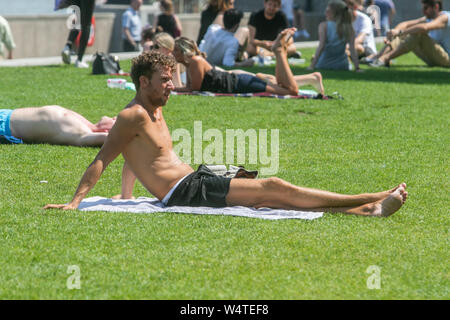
{"x": 48, "y": 61}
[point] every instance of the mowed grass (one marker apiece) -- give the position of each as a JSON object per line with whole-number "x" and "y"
{"x": 391, "y": 127}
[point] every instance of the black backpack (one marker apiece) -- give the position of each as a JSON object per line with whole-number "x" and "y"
{"x": 105, "y": 64}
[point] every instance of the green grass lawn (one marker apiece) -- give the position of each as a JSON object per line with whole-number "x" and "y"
{"x": 391, "y": 127}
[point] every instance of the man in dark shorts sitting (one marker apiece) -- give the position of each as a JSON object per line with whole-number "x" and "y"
{"x": 141, "y": 135}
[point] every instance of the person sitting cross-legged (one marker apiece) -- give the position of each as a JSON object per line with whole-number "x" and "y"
{"x": 141, "y": 135}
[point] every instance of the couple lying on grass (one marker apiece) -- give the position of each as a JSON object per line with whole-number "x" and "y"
{"x": 141, "y": 135}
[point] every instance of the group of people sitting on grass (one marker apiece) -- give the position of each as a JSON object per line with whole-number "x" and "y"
{"x": 348, "y": 33}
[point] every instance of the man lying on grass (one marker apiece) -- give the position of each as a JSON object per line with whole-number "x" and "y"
{"x": 54, "y": 125}
{"x": 142, "y": 136}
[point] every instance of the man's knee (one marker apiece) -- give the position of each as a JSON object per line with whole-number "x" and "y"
{"x": 273, "y": 183}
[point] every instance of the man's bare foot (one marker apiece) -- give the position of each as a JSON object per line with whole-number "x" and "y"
{"x": 384, "y": 194}
{"x": 390, "y": 205}
{"x": 282, "y": 39}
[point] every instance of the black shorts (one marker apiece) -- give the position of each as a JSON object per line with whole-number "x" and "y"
{"x": 202, "y": 188}
{"x": 247, "y": 83}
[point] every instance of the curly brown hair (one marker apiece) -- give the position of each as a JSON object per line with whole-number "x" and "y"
{"x": 147, "y": 63}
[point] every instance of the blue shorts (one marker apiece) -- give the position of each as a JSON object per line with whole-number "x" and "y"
{"x": 5, "y": 130}
{"x": 248, "y": 84}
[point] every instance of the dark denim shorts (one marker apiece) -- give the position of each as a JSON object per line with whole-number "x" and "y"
{"x": 248, "y": 84}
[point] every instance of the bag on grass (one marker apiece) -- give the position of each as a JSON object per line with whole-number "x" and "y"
{"x": 105, "y": 64}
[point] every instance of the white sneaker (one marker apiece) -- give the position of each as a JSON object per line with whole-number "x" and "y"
{"x": 65, "y": 55}
{"x": 81, "y": 64}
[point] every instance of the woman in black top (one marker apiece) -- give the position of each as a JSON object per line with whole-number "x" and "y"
{"x": 201, "y": 76}
{"x": 167, "y": 21}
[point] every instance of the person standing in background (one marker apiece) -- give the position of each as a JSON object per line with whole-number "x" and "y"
{"x": 167, "y": 20}
{"x": 387, "y": 13}
{"x": 131, "y": 27}
{"x": 287, "y": 6}
{"x": 213, "y": 14}
{"x": 6, "y": 39}
{"x": 86, "y": 12}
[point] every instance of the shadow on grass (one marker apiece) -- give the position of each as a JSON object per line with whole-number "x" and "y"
{"x": 414, "y": 74}
{"x": 393, "y": 74}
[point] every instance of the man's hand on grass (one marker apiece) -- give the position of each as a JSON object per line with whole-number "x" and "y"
{"x": 61, "y": 206}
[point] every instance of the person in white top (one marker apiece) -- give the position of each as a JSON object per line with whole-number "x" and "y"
{"x": 428, "y": 37}
{"x": 363, "y": 27}
{"x": 220, "y": 44}
{"x": 6, "y": 39}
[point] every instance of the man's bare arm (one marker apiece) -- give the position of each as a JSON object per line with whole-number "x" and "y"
{"x": 119, "y": 136}
{"x": 129, "y": 37}
{"x": 401, "y": 27}
{"x": 128, "y": 181}
{"x": 438, "y": 23}
{"x": 256, "y": 42}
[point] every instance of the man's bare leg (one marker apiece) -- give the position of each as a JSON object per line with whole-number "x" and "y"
{"x": 277, "y": 193}
{"x": 381, "y": 208}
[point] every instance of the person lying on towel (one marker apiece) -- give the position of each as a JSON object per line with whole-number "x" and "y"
{"x": 141, "y": 135}
{"x": 52, "y": 124}
{"x": 201, "y": 76}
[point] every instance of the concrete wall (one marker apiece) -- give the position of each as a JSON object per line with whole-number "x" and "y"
{"x": 46, "y": 35}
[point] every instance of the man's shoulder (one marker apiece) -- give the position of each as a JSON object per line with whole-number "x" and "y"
{"x": 133, "y": 113}
{"x": 127, "y": 12}
{"x": 280, "y": 15}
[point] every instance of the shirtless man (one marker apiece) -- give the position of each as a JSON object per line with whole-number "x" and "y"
{"x": 141, "y": 135}
{"x": 54, "y": 125}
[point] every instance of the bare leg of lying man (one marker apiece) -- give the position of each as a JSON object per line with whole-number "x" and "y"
{"x": 141, "y": 135}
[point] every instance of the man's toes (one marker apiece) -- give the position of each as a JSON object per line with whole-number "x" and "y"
{"x": 405, "y": 196}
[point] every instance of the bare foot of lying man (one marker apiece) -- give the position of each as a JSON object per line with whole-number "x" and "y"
{"x": 54, "y": 125}
{"x": 141, "y": 135}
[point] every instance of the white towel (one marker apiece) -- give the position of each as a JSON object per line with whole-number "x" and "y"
{"x": 152, "y": 205}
